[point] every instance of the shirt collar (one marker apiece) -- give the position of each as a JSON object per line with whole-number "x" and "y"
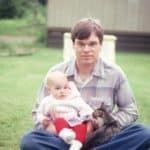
{"x": 72, "y": 67}
{"x": 98, "y": 70}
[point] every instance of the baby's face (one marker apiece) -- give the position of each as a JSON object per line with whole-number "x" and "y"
{"x": 60, "y": 90}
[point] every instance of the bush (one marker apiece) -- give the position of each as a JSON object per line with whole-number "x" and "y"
{"x": 43, "y": 2}
{"x": 17, "y": 8}
{"x": 7, "y": 9}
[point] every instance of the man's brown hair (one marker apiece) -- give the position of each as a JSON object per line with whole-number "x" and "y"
{"x": 84, "y": 27}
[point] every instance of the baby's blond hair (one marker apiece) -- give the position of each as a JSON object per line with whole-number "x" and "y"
{"x": 55, "y": 77}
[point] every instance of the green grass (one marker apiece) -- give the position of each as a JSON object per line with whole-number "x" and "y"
{"x": 12, "y": 26}
{"x": 137, "y": 68}
{"x": 24, "y": 26}
{"x": 20, "y": 79}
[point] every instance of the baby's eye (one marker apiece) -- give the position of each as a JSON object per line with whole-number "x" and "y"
{"x": 57, "y": 88}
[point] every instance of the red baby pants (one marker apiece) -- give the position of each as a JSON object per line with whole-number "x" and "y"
{"x": 80, "y": 130}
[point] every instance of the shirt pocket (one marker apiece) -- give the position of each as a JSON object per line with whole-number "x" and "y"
{"x": 95, "y": 102}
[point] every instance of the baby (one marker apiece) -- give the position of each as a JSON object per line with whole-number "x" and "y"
{"x": 64, "y": 112}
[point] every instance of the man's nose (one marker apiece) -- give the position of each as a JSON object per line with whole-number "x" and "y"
{"x": 86, "y": 48}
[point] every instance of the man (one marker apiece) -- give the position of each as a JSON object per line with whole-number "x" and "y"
{"x": 98, "y": 82}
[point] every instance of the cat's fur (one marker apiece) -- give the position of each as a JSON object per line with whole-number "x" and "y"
{"x": 104, "y": 133}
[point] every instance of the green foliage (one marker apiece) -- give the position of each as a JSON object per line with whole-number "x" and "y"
{"x": 7, "y": 9}
{"x": 17, "y": 8}
{"x": 43, "y": 2}
{"x": 28, "y": 25}
{"x": 13, "y": 26}
{"x": 42, "y": 37}
{"x": 12, "y": 8}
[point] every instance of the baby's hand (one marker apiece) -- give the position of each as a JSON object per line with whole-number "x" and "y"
{"x": 46, "y": 122}
{"x": 97, "y": 123}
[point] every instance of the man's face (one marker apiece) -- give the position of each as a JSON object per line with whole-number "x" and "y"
{"x": 87, "y": 50}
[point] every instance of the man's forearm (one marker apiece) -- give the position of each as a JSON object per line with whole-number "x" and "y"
{"x": 126, "y": 116}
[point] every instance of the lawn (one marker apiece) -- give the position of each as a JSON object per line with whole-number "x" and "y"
{"x": 20, "y": 79}
{"x": 137, "y": 68}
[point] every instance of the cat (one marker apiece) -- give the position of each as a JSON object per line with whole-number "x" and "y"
{"x": 103, "y": 134}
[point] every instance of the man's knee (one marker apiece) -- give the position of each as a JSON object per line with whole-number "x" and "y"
{"x": 145, "y": 132}
{"x": 27, "y": 142}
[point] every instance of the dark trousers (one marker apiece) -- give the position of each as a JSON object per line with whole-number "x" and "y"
{"x": 133, "y": 137}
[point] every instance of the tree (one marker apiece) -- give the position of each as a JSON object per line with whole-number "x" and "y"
{"x": 17, "y": 8}
{"x": 43, "y": 2}
{"x": 7, "y": 9}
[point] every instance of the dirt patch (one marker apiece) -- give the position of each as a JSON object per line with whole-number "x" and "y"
{"x": 16, "y": 45}
{"x": 16, "y": 38}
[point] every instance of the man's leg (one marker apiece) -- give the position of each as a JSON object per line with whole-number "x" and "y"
{"x": 133, "y": 137}
{"x": 42, "y": 140}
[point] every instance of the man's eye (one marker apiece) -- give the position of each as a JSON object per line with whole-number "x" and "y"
{"x": 81, "y": 44}
{"x": 93, "y": 44}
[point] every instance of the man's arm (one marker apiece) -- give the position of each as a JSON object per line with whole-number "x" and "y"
{"x": 127, "y": 109}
